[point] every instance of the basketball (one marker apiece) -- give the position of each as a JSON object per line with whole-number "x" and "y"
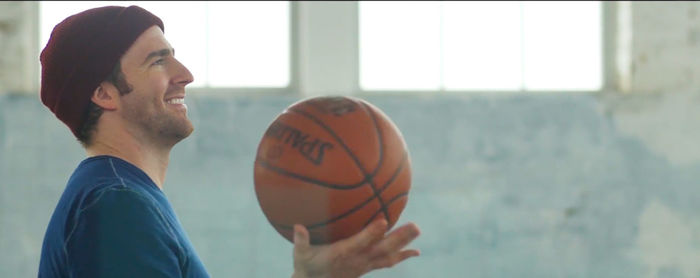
{"x": 333, "y": 164}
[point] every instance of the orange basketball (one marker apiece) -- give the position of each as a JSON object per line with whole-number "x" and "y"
{"x": 332, "y": 164}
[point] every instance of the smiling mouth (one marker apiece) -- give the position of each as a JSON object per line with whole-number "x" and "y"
{"x": 175, "y": 101}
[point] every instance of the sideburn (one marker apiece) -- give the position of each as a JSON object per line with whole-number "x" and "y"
{"x": 119, "y": 80}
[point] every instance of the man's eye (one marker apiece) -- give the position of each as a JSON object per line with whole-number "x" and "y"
{"x": 159, "y": 61}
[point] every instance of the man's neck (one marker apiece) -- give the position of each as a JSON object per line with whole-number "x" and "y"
{"x": 153, "y": 161}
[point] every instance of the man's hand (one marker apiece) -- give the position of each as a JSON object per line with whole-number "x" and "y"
{"x": 354, "y": 256}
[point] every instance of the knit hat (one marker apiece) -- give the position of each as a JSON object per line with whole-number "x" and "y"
{"x": 82, "y": 52}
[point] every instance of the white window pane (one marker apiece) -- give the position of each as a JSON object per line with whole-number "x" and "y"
{"x": 481, "y": 44}
{"x": 249, "y": 44}
{"x": 53, "y": 12}
{"x": 399, "y": 45}
{"x": 562, "y": 45}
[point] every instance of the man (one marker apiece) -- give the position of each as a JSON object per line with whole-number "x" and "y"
{"x": 111, "y": 76}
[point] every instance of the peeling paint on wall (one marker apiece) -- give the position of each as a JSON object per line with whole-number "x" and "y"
{"x": 664, "y": 46}
{"x": 668, "y": 242}
{"x": 18, "y": 58}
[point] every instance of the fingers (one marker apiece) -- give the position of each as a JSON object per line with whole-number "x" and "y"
{"x": 396, "y": 240}
{"x": 301, "y": 236}
{"x": 368, "y": 236}
{"x": 389, "y": 261}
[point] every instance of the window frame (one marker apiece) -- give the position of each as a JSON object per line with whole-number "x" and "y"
{"x": 304, "y": 65}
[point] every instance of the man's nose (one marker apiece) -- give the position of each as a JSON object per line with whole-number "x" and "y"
{"x": 183, "y": 76}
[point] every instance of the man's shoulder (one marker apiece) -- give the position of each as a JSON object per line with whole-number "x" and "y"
{"x": 92, "y": 172}
{"x": 96, "y": 174}
{"x": 94, "y": 178}
{"x": 122, "y": 201}
{"x": 86, "y": 186}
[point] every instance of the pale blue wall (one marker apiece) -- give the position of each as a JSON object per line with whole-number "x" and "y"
{"x": 552, "y": 185}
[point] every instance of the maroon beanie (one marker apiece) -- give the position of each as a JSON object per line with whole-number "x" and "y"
{"x": 82, "y": 52}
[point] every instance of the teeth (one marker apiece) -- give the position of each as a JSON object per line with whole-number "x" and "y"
{"x": 176, "y": 101}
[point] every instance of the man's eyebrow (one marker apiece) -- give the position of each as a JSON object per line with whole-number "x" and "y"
{"x": 159, "y": 53}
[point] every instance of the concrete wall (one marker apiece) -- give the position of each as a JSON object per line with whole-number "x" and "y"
{"x": 508, "y": 185}
{"x": 661, "y": 43}
{"x": 19, "y": 49}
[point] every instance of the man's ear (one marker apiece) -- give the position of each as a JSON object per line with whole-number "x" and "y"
{"x": 106, "y": 96}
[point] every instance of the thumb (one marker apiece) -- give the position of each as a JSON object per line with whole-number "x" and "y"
{"x": 301, "y": 236}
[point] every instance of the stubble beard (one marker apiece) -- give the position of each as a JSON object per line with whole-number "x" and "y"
{"x": 163, "y": 129}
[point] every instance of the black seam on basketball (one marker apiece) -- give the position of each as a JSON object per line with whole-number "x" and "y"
{"x": 380, "y": 139}
{"x": 334, "y": 219}
{"x": 394, "y": 199}
{"x": 404, "y": 158}
{"x": 289, "y": 174}
{"x": 317, "y": 105}
{"x": 350, "y": 211}
{"x": 335, "y": 136}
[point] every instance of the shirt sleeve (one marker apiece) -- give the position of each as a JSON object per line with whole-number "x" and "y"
{"x": 122, "y": 234}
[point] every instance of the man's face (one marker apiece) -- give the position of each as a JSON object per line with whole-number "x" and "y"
{"x": 155, "y": 108}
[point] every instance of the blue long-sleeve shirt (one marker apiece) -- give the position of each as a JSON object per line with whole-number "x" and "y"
{"x": 113, "y": 221}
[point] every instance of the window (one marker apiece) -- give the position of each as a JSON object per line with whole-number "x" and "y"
{"x": 531, "y": 46}
{"x": 224, "y": 44}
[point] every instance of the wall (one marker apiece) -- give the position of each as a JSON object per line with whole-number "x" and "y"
{"x": 19, "y": 65}
{"x": 507, "y": 185}
{"x": 663, "y": 40}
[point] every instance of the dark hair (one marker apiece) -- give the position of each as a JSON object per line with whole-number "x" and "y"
{"x": 94, "y": 111}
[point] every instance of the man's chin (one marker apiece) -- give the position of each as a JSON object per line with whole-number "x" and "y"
{"x": 189, "y": 132}
{"x": 181, "y": 132}
{"x": 186, "y": 131}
